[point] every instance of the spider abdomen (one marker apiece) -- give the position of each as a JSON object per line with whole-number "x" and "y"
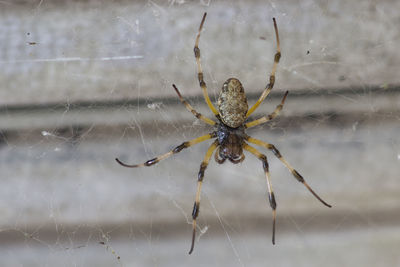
{"x": 232, "y": 103}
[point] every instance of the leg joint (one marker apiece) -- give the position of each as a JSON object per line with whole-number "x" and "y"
{"x": 203, "y": 167}
{"x": 196, "y": 209}
{"x": 264, "y": 160}
{"x": 200, "y": 76}
{"x": 277, "y": 57}
{"x": 298, "y": 176}
{"x": 272, "y": 201}
{"x": 180, "y": 147}
{"x": 196, "y": 52}
{"x": 275, "y": 151}
{"x": 151, "y": 162}
{"x": 271, "y": 81}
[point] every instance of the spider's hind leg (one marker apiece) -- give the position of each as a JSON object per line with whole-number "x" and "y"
{"x": 196, "y": 207}
{"x": 291, "y": 169}
{"x": 271, "y": 195}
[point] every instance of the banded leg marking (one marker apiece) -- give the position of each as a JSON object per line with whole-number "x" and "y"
{"x": 293, "y": 171}
{"x": 271, "y": 83}
{"x": 271, "y": 195}
{"x": 200, "y": 75}
{"x": 191, "y": 109}
{"x": 170, "y": 153}
{"x": 196, "y": 207}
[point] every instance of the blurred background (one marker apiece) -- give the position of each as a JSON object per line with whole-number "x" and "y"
{"x": 83, "y": 82}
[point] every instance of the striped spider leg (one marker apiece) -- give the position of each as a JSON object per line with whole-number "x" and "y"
{"x": 231, "y": 113}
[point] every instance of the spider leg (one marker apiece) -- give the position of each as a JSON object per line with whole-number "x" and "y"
{"x": 269, "y": 87}
{"x": 293, "y": 171}
{"x": 172, "y": 152}
{"x": 270, "y": 116}
{"x": 196, "y": 207}
{"x": 271, "y": 195}
{"x": 200, "y": 70}
{"x": 191, "y": 109}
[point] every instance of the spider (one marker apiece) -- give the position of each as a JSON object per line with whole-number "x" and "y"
{"x": 230, "y": 131}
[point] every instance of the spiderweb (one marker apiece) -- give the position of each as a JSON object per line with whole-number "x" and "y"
{"x": 84, "y": 82}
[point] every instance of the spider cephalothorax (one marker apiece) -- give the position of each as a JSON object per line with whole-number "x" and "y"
{"x": 230, "y": 135}
{"x": 230, "y": 142}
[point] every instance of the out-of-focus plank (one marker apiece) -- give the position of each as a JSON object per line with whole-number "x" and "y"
{"x": 333, "y": 106}
{"x": 83, "y": 82}
{"x": 71, "y": 51}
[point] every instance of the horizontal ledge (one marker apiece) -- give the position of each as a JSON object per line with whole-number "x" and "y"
{"x": 325, "y": 106}
{"x": 328, "y": 221}
{"x": 134, "y": 102}
{"x": 101, "y": 130}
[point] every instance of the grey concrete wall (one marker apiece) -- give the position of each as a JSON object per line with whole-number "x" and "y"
{"x": 83, "y": 82}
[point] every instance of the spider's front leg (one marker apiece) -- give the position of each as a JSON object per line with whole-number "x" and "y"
{"x": 196, "y": 207}
{"x": 271, "y": 83}
{"x": 200, "y": 74}
{"x": 172, "y": 152}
